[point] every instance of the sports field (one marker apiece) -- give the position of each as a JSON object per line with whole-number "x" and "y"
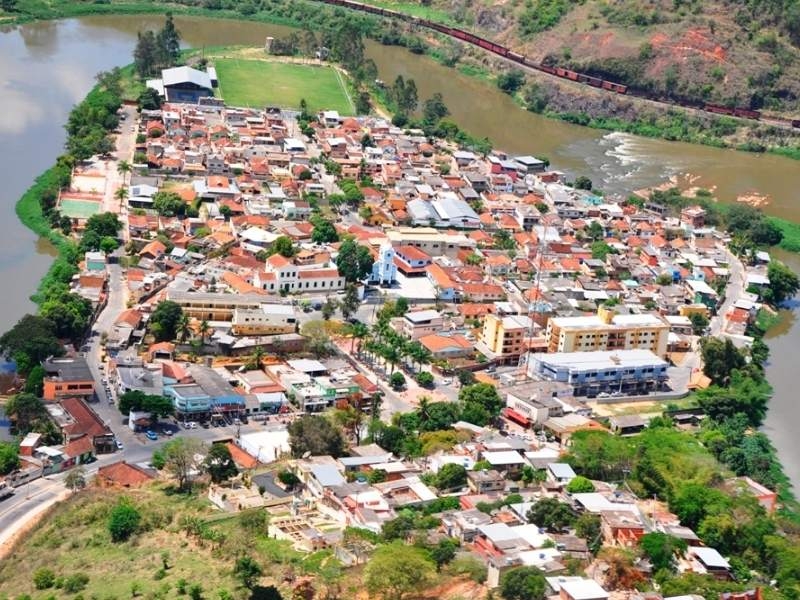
{"x": 259, "y": 83}
{"x": 79, "y": 209}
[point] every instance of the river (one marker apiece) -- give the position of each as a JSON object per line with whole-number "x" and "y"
{"x": 45, "y": 68}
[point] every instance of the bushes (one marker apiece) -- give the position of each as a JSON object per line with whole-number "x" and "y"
{"x": 43, "y": 578}
{"x": 123, "y": 521}
{"x": 75, "y": 583}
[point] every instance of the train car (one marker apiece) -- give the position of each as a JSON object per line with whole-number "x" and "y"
{"x": 457, "y": 33}
{"x": 516, "y": 57}
{"x": 545, "y": 68}
{"x": 571, "y": 75}
{"x": 720, "y": 110}
{"x": 619, "y": 88}
{"x": 746, "y": 113}
{"x": 594, "y": 81}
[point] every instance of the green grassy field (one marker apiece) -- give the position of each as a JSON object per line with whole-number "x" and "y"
{"x": 259, "y": 83}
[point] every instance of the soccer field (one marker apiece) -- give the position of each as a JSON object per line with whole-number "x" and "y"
{"x": 258, "y": 83}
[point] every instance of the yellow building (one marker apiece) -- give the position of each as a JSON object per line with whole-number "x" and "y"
{"x": 607, "y": 331}
{"x": 505, "y": 336}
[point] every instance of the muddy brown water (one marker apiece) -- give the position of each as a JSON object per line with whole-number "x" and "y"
{"x": 45, "y": 68}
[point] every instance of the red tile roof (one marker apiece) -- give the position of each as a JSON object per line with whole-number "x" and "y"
{"x": 123, "y": 474}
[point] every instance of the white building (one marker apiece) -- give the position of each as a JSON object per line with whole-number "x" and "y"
{"x": 384, "y": 271}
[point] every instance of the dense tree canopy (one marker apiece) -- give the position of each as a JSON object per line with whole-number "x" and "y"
{"x": 783, "y": 283}
{"x": 165, "y": 320}
{"x": 523, "y": 583}
{"x": 219, "y": 463}
{"x": 31, "y": 340}
{"x": 354, "y": 260}
{"x": 720, "y": 358}
{"x": 158, "y": 406}
{"x": 551, "y": 514}
{"x": 315, "y": 435}
{"x": 397, "y": 570}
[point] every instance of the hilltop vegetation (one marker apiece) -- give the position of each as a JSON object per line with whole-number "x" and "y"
{"x": 743, "y": 52}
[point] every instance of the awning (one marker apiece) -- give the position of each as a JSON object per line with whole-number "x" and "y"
{"x": 516, "y": 416}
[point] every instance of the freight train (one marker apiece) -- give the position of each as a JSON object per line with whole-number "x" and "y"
{"x": 596, "y": 82}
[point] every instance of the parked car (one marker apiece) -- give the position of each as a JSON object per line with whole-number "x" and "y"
{"x": 604, "y": 395}
{"x": 119, "y": 444}
{"x": 151, "y": 435}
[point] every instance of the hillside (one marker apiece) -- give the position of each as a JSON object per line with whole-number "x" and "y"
{"x": 745, "y": 52}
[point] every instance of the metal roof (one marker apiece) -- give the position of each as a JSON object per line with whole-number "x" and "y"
{"x": 179, "y": 75}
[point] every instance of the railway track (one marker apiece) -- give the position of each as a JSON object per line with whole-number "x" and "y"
{"x": 563, "y": 73}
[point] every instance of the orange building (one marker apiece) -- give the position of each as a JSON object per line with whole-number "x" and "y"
{"x": 67, "y": 378}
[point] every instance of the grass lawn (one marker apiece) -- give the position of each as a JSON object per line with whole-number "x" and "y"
{"x": 259, "y": 83}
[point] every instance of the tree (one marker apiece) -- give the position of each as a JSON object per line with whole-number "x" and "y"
{"x": 149, "y": 99}
{"x": 444, "y": 552}
{"x": 219, "y": 464}
{"x": 699, "y": 323}
{"x": 451, "y": 477}
{"x": 324, "y": 232}
{"x": 691, "y": 502}
{"x": 203, "y": 329}
{"x": 601, "y": 250}
{"x": 397, "y": 380}
{"x": 354, "y": 260}
{"x": 551, "y": 514}
{"x": 43, "y": 578}
{"x": 76, "y": 479}
{"x": 580, "y": 485}
{"x": 511, "y": 81}
{"x": 247, "y": 571}
{"x": 466, "y": 378}
{"x": 482, "y": 394}
{"x": 9, "y": 457}
{"x": 104, "y": 224}
{"x": 319, "y": 340}
{"x": 34, "y": 382}
{"x": 108, "y": 244}
{"x": 123, "y": 521}
{"x": 425, "y": 379}
{"x": 396, "y": 570}
{"x": 720, "y": 358}
{"x": 522, "y": 583}
{"x": 504, "y": 241}
{"x": 744, "y": 396}
{"x": 583, "y": 183}
{"x": 30, "y": 341}
{"x": 434, "y": 109}
{"x": 329, "y": 308}
{"x": 283, "y": 245}
{"x": 350, "y": 302}
{"x": 169, "y": 43}
{"x": 595, "y": 231}
{"x": 8, "y": 5}
{"x": 27, "y": 411}
{"x": 588, "y": 527}
{"x": 136, "y": 400}
{"x": 168, "y": 204}
{"x": 783, "y": 283}
{"x": 145, "y": 54}
{"x": 165, "y": 320}
{"x": 181, "y": 459}
{"x": 662, "y": 549}
{"x": 124, "y": 169}
{"x": 315, "y": 435}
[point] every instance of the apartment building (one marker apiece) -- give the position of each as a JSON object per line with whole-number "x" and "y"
{"x": 419, "y": 323}
{"x": 505, "y": 336}
{"x": 607, "y": 331}
{"x": 67, "y": 378}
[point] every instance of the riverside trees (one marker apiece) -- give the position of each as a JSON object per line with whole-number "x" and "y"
{"x": 156, "y": 51}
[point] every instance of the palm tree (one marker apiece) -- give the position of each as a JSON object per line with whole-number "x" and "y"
{"x": 358, "y": 332}
{"x": 423, "y": 412}
{"x": 121, "y": 193}
{"x": 203, "y": 330}
{"x": 391, "y": 354}
{"x": 258, "y": 356}
{"x": 123, "y": 168}
{"x": 184, "y": 328}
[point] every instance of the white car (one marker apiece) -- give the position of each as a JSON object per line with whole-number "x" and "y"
{"x": 119, "y": 444}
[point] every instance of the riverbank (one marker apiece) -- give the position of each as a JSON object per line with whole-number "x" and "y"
{"x": 544, "y": 95}
{"x": 29, "y": 211}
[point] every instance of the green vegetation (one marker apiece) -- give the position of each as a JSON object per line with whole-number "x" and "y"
{"x": 264, "y": 83}
{"x": 540, "y": 15}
